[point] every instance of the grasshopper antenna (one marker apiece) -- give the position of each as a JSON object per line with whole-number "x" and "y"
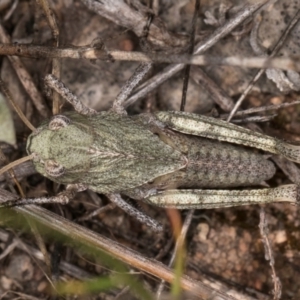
{"x": 15, "y": 163}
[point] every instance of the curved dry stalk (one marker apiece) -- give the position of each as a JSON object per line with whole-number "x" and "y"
{"x": 25, "y": 77}
{"x": 8, "y": 95}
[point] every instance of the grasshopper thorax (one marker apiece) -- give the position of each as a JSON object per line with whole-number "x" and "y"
{"x": 105, "y": 152}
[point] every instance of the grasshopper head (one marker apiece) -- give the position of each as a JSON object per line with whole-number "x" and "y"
{"x": 60, "y": 148}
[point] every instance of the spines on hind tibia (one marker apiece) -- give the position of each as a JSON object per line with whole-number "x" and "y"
{"x": 289, "y": 151}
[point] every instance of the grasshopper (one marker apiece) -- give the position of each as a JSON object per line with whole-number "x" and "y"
{"x": 169, "y": 159}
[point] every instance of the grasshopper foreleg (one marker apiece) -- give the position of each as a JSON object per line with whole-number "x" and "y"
{"x": 118, "y": 105}
{"x": 205, "y": 199}
{"x": 62, "y": 198}
{"x": 134, "y": 80}
{"x": 61, "y": 89}
{"x": 138, "y": 75}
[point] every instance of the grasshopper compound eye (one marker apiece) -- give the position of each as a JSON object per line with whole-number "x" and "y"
{"x": 58, "y": 121}
{"x": 54, "y": 169}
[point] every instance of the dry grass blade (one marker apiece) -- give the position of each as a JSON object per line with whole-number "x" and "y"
{"x": 25, "y": 78}
{"x": 9, "y": 97}
{"x": 55, "y": 62}
{"x": 263, "y": 227}
{"x": 91, "y": 239}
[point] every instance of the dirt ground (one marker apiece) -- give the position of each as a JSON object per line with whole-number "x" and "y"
{"x": 224, "y": 247}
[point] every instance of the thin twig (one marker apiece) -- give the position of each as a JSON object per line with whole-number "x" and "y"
{"x": 254, "y": 119}
{"x": 289, "y": 168}
{"x": 41, "y": 244}
{"x": 50, "y": 17}
{"x": 22, "y": 170}
{"x": 119, "y": 12}
{"x": 201, "y": 47}
{"x": 91, "y": 52}
{"x": 11, "y": 10}
{"x": 8, "y": 249}
{"x": 64, "y": 266}
{"x": 261, "y": 109}
{"x": 277, "y": 47}
{"x": 186, "y": 75}
{"x": 25, "y": 77}
{"x": 263, "y": 228}
{"x": 96, "y": 212}
{"x": 124, "y": 254}
{"x": 8, "y": 96}
{"x": 179, "y": 242}
{"x": 218, "y": 94}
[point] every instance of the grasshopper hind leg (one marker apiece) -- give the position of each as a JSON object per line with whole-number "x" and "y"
{"x": 212, "y": 128}
{"x": 206, "y": 199}
{"x": 140, "y": 216}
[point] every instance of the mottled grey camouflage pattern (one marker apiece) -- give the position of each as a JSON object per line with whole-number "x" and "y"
{"x": 109, "y": 153}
